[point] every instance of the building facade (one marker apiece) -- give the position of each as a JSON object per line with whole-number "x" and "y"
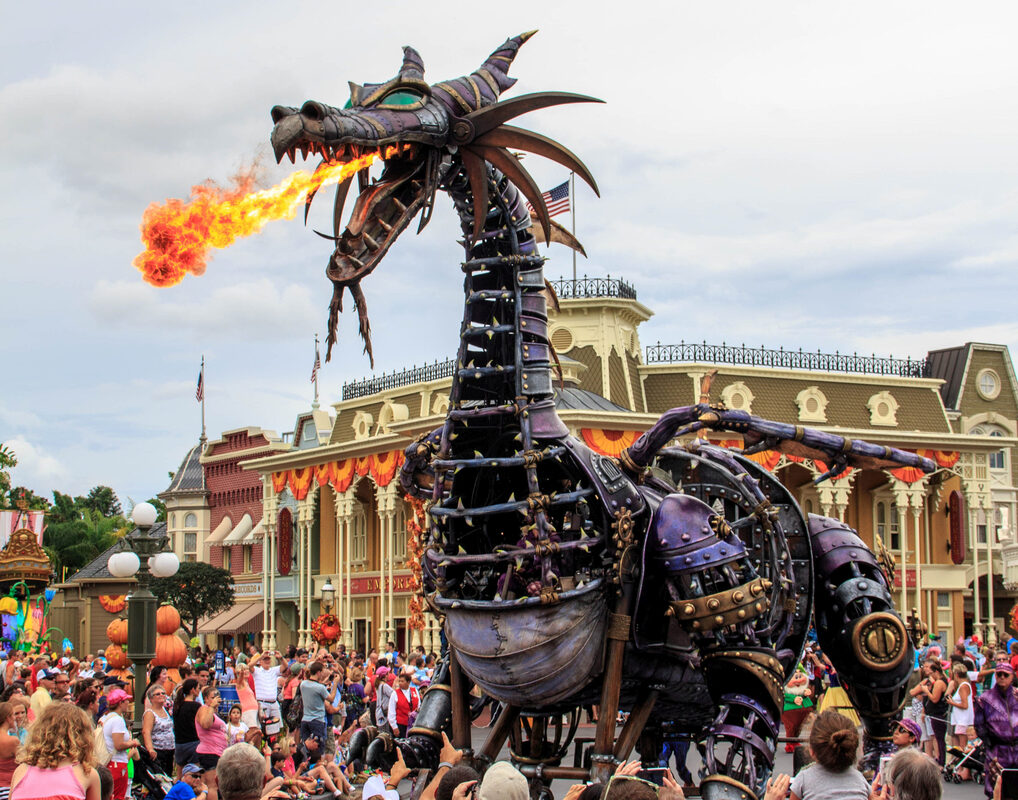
{"x": 332, "y": 510}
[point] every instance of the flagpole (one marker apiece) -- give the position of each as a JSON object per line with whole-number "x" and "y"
{"x": 572, "y": 206}
{"x": 203, "y": 399}
{"x": 315, "y": 404}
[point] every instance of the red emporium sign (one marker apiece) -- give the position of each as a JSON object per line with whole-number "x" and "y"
{"x": 284, "y": 541}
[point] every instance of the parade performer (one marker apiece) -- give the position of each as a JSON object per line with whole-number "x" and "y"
{"x": 996, "y": 723}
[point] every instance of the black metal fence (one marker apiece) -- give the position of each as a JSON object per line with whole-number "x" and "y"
{"x": 396, "y": 380}
{"x": 593, "y": 287}
{"x": 787, "y": 359}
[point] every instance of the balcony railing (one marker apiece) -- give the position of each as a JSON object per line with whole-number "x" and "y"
{"x": 567, "y": 288}
{"x": 786, "y": 359}
{"x": 397, "y": 380}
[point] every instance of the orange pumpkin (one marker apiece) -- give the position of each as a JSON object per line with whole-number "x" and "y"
{"x": 167, "y": 620}
{"x": 116, "y": 657}
{"x": 117, "y": 631}
{"x": 170, "y": 651}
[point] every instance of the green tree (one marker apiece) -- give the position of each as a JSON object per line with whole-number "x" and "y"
{"x": 104, "y": 500}
{"x": 7, "y": 462}
{"x": 72, "y": 542}
{"x": 197, "y": 590}
{"x": 34, "y": 501}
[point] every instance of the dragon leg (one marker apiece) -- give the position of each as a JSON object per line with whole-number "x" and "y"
{"x": 860, "y": 631}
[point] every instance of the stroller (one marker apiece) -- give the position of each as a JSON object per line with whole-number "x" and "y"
{"x": 972, "y": 757}
{"x": 149, "y": 781}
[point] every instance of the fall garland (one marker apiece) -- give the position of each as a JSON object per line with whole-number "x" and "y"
{"x": 415, "y": 550}
{"x": 325, "y": 629}
{"x": 1013, "y": 616}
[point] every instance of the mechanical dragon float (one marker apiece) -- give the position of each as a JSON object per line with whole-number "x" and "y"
{"x": 677, "y": 582}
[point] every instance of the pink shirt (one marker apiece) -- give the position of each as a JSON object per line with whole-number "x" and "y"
{"x": 53, "y": 784}
{"x": 211, "y": 741}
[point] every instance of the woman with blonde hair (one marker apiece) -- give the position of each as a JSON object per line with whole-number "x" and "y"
{"x": 959, "y": 697}
{"x": 57, "y": 761}
{"x": 211, "y": 739}
{"x": 9, "y": 745}
{"x": 245, "y": 694}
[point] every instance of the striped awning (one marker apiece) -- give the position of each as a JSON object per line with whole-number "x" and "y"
{"x": 221, "y": 532}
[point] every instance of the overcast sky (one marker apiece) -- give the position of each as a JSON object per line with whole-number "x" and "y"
{"x": 783, "y": 174}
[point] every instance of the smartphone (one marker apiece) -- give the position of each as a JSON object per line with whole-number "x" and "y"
{"x": 1009, "y": 784}
{"x": 884, "y": 760}
{"x": 655, "y": 775}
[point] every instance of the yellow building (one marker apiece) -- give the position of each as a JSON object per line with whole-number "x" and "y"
{"x": 339, "y": 508}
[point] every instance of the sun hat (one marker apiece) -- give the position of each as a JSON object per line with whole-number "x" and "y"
{"x": 117, "y": 696}
{"x": 375, "y": 787}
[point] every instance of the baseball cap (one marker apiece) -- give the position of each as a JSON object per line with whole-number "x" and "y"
{"x": 113, "y": 680}
{"x": 912, "y": 727}
{"x": 191, "y": 769}
{"x": 118, "y": 696}
{"x": 503, "y": 781}
{"x": 382, "y": 671}
{"x": 50, "y": 673}
{"x": 1004, "y": 666}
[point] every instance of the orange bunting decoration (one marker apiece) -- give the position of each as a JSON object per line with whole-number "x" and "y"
{"x": 608, "y": 443}
{"x": 415, "y": 551}
{"x": 179, "y": 233}
{"x": 113, "y": 603}
{"x": 381, "y": 467}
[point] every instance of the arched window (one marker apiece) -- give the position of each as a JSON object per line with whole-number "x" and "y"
{"x": 997, "y": 460}
{"x": 399, "y": 533}
{"x": 359, "y": 536}
{"x": 191, "y": 521}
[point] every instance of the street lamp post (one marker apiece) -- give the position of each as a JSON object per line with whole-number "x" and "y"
{"x": 147, "y": 557}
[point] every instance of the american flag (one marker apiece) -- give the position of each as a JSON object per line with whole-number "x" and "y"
{"x": 316, "y": 367}
{"x": 199, "y": 393}
{"x": 556, "y": 199}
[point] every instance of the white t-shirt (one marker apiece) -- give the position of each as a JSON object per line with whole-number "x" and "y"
{"x": 266, "y": 683}
{"x": 235, "y": 733}
{"x": 114, "y": 723}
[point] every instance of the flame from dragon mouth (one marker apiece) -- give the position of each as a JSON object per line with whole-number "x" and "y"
{"x": 178, "y": 234}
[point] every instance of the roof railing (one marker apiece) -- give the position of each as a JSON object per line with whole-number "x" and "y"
{"x": 567, "y": 288}
{"x": 818, "y": 361}
{"x": 397, "y": 380}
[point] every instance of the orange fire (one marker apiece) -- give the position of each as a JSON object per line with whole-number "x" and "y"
{"x": 179, "y": 233}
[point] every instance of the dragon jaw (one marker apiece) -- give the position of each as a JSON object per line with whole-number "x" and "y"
{"x": 422, "y": 133}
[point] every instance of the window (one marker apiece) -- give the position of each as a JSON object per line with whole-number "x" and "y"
{"x": 943, "y": 599}
{"x": 247, "y": 557}
{"x": 980, "y": 534}
{"x": 988, "y": 384}
{"x": 190, "y": 547}
{"x": 887, "y": 524}
{"x": 191, "y": 521}
{"x": 359, "y": 537}
{"x": 399, "y": 533}
{"x": 997, "y": 459}
{"x": 228, "y": 559}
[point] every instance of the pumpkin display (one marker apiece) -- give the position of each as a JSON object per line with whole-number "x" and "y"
{"x": 325, "y": 629}
{"x": 167, "y": 620}
{"x": 116, "y": 631}
{"x": 170, "y": 651}
{"x": 116, "y": 658}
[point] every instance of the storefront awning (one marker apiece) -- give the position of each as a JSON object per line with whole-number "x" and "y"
{"x": 243, "y": 618}
{"x": 243, "y": 529}
{"x": 257, "y": 533}
{"x": 211, "y": 624}
{"x": 221, "y": 532}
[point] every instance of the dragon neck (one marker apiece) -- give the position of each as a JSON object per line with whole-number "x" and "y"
{"x": 504, "y": 354}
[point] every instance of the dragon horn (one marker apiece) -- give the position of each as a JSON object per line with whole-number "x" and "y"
{"x": 519, "y": 139}
{"x": 489, "y": 118}
{"x": 511, "y": 168}
{"x": 477, "y": 173}
{"x": 413, "y": 65}
{"x": 497, "y": 64}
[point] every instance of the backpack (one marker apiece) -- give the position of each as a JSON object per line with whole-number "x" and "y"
{"x": 295, "y": 712}
{"x": 100, "y": 751}
{"x": 354, "y": 704}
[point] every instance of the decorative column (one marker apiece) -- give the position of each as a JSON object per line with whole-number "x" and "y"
{"x": 342, "y": 532}
{"x": 305, "y": 517}
{"x": 382, "y": 554}
{"x": 387, "y": 499}
{"x": 309, "y": 593}
{"x": 900, "y": 491}
{"x": 348, "y": 505}
{"x": 991, "y": 535}
{"x": 270, "y": 508}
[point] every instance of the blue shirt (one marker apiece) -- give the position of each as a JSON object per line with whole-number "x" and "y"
{"x": 180, "y": 791}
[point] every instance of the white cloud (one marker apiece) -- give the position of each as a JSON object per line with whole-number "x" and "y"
{"x": 259, "y": 309}
{"x": 18, "y": 419}
{"x": 36, "y": 468}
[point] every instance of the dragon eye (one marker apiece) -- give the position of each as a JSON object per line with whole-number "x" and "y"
{"x": 401, "y": 97}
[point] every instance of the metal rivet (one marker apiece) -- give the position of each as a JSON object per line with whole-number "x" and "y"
{"x": 759, "y": 607}
{"x": 689, "y": 559}
{"x": 706, "y": 556}
{"x": 713, "y": 604}
{"x": 689, "y": 609}
{"x": 719, "y": 619}
{"x": 696, "y": 625}
{"x": 738, "y": 597}
{"x": 862, "y": 584}
{"x": 685, "y": 537}
{"x": 741, "y": 614}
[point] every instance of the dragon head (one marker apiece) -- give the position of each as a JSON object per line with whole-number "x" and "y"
{"x": 424, "y": 134}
